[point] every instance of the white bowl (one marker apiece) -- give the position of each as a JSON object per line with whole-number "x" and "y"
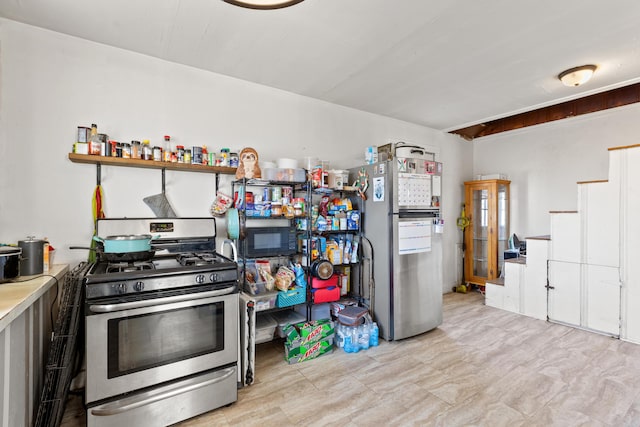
{"x": 287, "y": 163}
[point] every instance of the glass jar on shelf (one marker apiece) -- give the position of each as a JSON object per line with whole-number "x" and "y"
{"x": 276, "y": 209}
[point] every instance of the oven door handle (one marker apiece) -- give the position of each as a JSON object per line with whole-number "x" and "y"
{"x": 134, "y": 402}
{"x": 109, "y": 308}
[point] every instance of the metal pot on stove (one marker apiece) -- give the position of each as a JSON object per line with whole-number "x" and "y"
{"x": 9, "y": 263}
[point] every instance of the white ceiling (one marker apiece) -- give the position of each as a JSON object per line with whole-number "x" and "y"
{"x": 443, "y": 64}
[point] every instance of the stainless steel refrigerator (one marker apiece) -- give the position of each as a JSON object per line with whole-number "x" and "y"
{"x": 401, "y": 219}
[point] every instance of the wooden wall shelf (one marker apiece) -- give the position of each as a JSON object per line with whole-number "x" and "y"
{"x": 149, "y": 164}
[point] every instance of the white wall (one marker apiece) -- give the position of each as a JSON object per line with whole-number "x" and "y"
{"x": 51, "y": 83}
{"x": 544, "y": 162}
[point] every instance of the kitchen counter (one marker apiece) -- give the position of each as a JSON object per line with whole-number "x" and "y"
{"x": 16, "y": 297}
{"x": 28, "y": 308}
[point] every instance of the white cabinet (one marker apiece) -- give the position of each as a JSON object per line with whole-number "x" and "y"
{"x": 585, "y": 257}
{"x": 593, "y": 267}
{"x": 564, "y": 292}
{"x": 513, "y": 286}
{"x": 602, "y": 299}
{"x": 585, "y": 295}
{"x": 534, "y": 296}
{"x": 523, "y": 289}
{"x": 628, "y": 161}
{"x": 565, "y": 237}
{"x": 506, "y": 293}
{"x": 494, "y": 294}
{"x": 599, "y": 204}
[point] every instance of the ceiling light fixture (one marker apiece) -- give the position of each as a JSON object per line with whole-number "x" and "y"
{"x": 577, "y": 76}
{"x": 264, "y": 4}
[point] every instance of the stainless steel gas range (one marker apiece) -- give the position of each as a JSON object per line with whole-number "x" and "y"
{"x": 161, "y": 333}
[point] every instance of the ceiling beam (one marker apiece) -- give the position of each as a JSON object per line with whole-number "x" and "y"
{"x": 589, "y": 104}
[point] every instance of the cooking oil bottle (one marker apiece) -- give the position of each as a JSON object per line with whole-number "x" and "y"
{"x": 167, "y": 148}
{"x": 94, "y": 141}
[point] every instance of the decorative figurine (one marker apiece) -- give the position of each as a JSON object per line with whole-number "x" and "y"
{"x": 362, "y": 183}
{"x": 248, "y": 166}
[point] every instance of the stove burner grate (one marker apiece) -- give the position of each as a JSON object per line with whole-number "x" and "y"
{"x": 196, "y": 258}
{"x": 125, "y": 267}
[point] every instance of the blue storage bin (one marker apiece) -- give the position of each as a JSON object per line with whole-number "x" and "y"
{"x": 297, "y": 295}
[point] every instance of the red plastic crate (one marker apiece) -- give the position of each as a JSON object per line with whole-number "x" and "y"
{"x": 332, "y": 293}
{"x": 320, "y": 283}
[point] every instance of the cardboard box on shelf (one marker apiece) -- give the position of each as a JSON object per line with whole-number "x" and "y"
{"x": 386, "y": 152}
{"x": 308, "y": 351}
{"x": 353, "y": 220}
{"x": 307, "y": 332}
{"x": 308, "y": 340}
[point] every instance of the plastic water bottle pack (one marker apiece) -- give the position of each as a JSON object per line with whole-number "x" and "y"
{"x": 355, "y": 338}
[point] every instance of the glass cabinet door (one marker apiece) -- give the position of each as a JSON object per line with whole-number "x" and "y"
{"x": 480, "y": 231}
{"x": 502, "y": 226}
{"x": 486, "y": 238}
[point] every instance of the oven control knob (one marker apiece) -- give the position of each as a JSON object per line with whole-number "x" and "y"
{"x": 121, "y": 288}
{"x": 138, "y": 286}
{"x": 213, "y": 277}
{"x": 200, "y": 279}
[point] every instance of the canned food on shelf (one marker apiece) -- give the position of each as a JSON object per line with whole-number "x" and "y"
{"x": 196, "y": 155}
{"x": 276, "y": 194}
{"x": 84, "y": 133}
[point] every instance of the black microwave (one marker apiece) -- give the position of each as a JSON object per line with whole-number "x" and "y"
{"x": 268, "y": 241}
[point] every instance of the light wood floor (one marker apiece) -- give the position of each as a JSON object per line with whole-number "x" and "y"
{"x": 481, "y": 367}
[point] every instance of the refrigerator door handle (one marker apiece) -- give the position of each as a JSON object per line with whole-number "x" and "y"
{"x": 418, "y": 214}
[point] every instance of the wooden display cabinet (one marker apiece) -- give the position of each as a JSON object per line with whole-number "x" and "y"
{"x": 486, "y": 238}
